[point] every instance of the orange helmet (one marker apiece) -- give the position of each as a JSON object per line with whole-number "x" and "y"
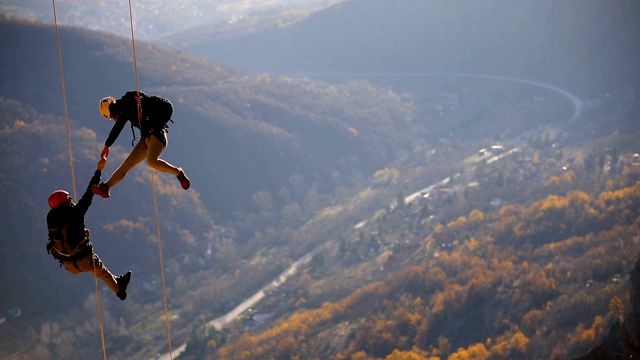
{"x": 58, "y": 198}
{"x": 103, "y": 106}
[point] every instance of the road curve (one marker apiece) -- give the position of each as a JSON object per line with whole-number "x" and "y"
{"x": 575, "y": 100}
{"x": 221, "y": 321}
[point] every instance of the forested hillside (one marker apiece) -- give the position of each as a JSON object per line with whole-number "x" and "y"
{"x": 523, "y": 250}
{"x": 245, "y": 142}
{"x": 544, "y": 280}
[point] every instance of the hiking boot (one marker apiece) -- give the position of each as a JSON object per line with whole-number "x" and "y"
{"x": 184, "y": 180}
{"x": 123, "y": 282}
{"x": 101, "y": 189}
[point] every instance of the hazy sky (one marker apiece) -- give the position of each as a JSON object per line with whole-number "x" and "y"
{"x": 154, "y": 19}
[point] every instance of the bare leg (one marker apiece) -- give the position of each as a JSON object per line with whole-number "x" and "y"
{"x": 137, "y": 154}
{"x": 154, "y": 151}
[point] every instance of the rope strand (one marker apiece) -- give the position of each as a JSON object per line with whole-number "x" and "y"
{"x": 155, "y": 198}
{"x": 164, "y": 281}
{"x": 64, "y": 101}
{"x": 99, "y": 305}
{"x": 73, "y": 176}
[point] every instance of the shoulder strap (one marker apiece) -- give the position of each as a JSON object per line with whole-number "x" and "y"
{"x": 134, "y": 135}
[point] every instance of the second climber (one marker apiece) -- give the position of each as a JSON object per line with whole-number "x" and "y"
{"x": 150, "y": 114}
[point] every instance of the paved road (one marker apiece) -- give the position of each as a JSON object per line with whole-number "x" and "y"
{"x": 220, "y": 322}
{"x": 575, "y": 100}
{"x": 231, "y": 316}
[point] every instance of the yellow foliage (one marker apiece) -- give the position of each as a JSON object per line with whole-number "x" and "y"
{"x": 519, "y": 342}
{"x": 458, "y": 223}
{"x": 553, "y": 180}
{"x": 438, "y": 303}
{"x": 568, "y": 177}
{"x": 360, "y": 355}
{"x": 590, "y": 334}
{"x": 586, "y": 335}
{"x": 616, "y": 307}
{"x": 212, "y": 344}
{"x": 531, "y": 319}
{"x": 461, "y": 354}
{"x": 404, "y": 355}
{"x": 478, "y": 352}
{"x": 472, "y": 243}
{"x": 476, "y": 216}
{"x": 500, "y": 350}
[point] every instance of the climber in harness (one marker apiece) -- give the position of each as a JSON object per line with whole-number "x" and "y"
{"x": 150, "y": 114}
{"x": 69, "y": 241}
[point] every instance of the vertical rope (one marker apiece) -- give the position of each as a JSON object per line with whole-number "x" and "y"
{"x": 64, "y": 101}
{"x": 155, "y": 198}
{"x": 135, "y": 60}
{"x": 73, "y": 176}
{"x": 99, "y": 305}
{"x": 164, "y": 282}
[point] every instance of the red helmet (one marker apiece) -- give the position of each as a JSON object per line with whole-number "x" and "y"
{"x": 58, "y": 198}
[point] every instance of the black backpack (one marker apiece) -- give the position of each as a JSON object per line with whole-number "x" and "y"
{"x": 157, "y": 109}
{"x": 156, "y": 112}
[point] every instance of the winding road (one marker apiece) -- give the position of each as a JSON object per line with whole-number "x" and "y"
{"x": 231, "y": 316}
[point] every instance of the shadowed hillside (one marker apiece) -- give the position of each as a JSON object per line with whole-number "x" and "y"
{"x": 234, "y": 134}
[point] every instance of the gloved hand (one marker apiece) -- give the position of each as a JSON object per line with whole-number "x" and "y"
{"x": 105, "y": 152}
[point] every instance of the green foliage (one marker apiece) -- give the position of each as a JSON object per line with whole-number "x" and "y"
{"x": 201, "y": 340}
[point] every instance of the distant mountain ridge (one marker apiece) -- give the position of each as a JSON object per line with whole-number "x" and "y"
{"x": 155, "y": 19}
{"x": 587, "y": 46}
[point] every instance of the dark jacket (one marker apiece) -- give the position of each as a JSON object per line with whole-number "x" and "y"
{"x": 156, "y": 112}
{"x": 66, "y": 225}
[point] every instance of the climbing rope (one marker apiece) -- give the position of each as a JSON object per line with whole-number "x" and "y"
{"x": 153, "y": 188}
{"x": 64, "y": 101}
{"x": 73, "y": 176}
